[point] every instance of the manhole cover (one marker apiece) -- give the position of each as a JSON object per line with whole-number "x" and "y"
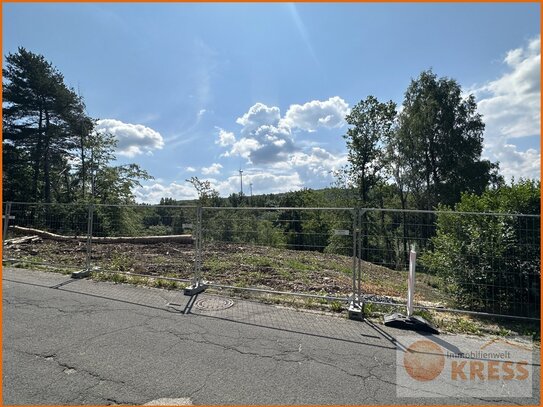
{"x": 213, "y": 304}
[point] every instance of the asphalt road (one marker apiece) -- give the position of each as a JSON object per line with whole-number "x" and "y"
{"x": 82, "y": 342}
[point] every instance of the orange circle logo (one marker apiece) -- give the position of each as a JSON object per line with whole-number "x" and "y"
{"x": 424, "y": 360}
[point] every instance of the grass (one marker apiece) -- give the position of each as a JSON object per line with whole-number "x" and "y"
{"x": 36, "y": 263}
{"x": 215, "y": 265}
{"x": 121, "y": 262}
{"x": 336, "y": 306}
{"x": 120, "y": 278}
{"x": 447, "y": 322}
{"x": 261, "y": 262}
{"x": 297, "y": 265}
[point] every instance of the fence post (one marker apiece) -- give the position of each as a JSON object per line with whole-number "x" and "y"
{"x": 361, "y": 212}
{"x": 6, "y": 221}
{"x": 88, "y": 260}
{"x": 411, "y": 280}
{"x": 355, "y": 247}
{"x": 5, "y": 228}
{"x": 355, "y": 307}
{"x": 198, "y": 247}
{"x": 90, "y": 220}
{"x": 197, "y": 285}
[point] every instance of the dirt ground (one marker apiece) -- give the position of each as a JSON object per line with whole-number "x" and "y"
{"x": 233, "y": 264}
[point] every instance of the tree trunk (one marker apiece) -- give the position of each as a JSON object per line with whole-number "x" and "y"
{"x": 46, "y": 160}
{"x": 403, "y": 200}
{"x": 38, "y": 154}
{"x": 83, "y": 167}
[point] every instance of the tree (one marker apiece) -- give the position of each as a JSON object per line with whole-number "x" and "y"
{"x": 372, "y": 123}
{"x": 439, "y": 143}
{"x": 39, "y": 113}
{"x": 52, "y": 152}
{"x": 206, "y": 194}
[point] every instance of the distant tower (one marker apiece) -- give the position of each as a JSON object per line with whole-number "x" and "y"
{"x": 251, "y": 192}
{"x": 241, "y": 181}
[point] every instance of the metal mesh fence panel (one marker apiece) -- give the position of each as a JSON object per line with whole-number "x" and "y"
{"x": 472, "y": 262}
{"x": 294, "y": 250}
{"x": 46, "y": 235}
{"x": 488, "y": 263}
{"x": 152, "y": 241}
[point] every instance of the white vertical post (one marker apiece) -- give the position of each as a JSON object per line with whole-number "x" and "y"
{"x": 411, "y": 280}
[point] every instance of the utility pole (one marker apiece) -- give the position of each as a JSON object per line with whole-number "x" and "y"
{"x": 251, "y": 189}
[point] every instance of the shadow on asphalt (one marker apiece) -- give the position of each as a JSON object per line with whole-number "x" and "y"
{"x": 298, "y": 332}
{"x": 381, "y": 334}
{"x": 233, "y": 320}
{"x": 58, "y": 287}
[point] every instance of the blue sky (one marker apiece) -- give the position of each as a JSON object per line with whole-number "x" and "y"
{"x": 204, "y": 89}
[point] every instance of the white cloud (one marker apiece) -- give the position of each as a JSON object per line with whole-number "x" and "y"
{"x": 319, "y": 161}
{"x": 190, "y": 169}
{"x": 226, "y": 138}
{"x": 511, "y": 104}
{"x": 264, "y": 139}
{"x": 511, "y": 110}
{"x": 267, "y": 142}
{"x": 263, "y": 183}
{"x": 274, "y": 143}
{"x": 213, "y": 169}
{"x": 268, "y": 137}
{"x": 243, "y": 148}
{"x": 514, "y": 163}
{"x": 258, "y": 115}
{"x": 151, "y": 194}
{"x": 315, "y": 167}
{"x": 317, "y": 113}
{"x": 133, "y": 139}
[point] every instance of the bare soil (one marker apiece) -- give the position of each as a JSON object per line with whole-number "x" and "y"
{"x": 238, "y": 265}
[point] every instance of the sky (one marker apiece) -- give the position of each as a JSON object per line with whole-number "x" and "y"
{"x": 208, "y": 89}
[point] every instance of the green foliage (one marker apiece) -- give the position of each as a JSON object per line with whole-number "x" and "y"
{"x": 439, "y": 142}
{"x": 269, "y": 235}
{"x": 372, "y": 122}
{"x": 121, "y": 262}
{"x": 41, "y": 116}
{"x": 207, "y": 196}
{"x": 491, "y": 263}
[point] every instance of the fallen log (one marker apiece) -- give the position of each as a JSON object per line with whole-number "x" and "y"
{"x": 185, "y": 239}
{"x": 24, "y": 239}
